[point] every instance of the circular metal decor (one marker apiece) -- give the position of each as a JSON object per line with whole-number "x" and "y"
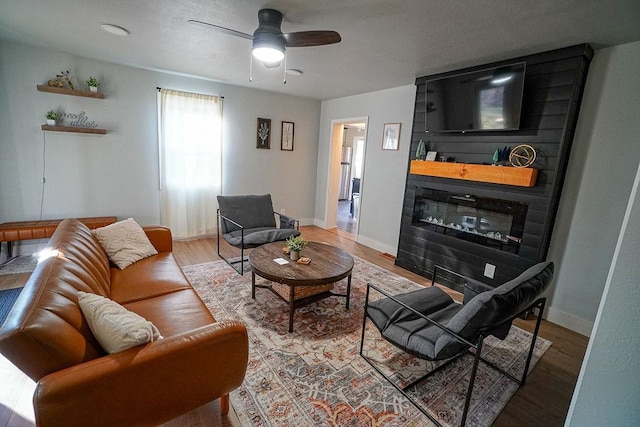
{"x": 522, "y": 156}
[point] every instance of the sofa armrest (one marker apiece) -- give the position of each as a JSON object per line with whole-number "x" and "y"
{"x": 147, "y": 385}
{"x": 160, "y": 237}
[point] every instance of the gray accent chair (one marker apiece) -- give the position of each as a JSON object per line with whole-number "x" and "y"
{"x": 431, "y": 325}
{"x": 249, "y": 221}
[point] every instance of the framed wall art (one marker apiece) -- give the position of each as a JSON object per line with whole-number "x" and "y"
{"x": 391, "y": 136}
{"x": 286, "y": 138}
{"x": 263, "y": 138}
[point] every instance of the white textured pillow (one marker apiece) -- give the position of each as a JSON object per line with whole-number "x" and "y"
{"x": 125, "y": 242}
{"x": 115, "y": 327}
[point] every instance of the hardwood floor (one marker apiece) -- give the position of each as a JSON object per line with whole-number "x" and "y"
{"x": 544, "y": 400}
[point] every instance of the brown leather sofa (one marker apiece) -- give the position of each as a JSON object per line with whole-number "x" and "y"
{"x": 78, "y": 384}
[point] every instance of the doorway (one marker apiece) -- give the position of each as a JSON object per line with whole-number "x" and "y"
{"x": 346, "y": 174}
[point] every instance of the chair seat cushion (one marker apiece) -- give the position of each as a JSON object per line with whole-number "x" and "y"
{"x": 254, "y": 237}
{"x": 410, "y": 332}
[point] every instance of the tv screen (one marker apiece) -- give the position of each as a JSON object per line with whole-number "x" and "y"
{"x": 485, "y": 100}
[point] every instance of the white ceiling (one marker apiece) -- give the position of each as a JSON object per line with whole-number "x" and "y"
{"x": 384, "y": 43}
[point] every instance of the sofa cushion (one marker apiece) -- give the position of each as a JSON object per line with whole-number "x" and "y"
{"x": 125, "y": 242}
{"x": 254, "y": 237}
{"x": 147, "y": 278}
{"x": 115, "y": 327}
{"x": 174, "y": 313}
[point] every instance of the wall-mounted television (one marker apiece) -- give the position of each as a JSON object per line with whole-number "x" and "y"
{"x": 484, "y": 100}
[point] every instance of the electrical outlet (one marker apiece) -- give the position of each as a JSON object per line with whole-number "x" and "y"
{"x": 282, "y": 211}
{"x": 489, "y": 270}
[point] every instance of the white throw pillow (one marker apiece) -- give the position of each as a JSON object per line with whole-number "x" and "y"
{"x": 125, "y": 242}
{"x": 115, "y": 327}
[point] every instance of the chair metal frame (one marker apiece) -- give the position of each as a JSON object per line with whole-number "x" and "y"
{"x": 242, "y": 259}
{"x": 476, "y": 353}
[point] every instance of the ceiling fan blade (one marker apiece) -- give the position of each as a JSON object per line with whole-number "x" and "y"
{"x": 311, "y": 38}
{"x": 222, "y": 29}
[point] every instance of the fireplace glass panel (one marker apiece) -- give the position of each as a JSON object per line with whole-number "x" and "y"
{"x": 490, "y": 222}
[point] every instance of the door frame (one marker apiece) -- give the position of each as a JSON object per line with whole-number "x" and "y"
{"x": 333, "y": 175}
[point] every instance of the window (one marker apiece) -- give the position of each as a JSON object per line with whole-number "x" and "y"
{"x": 190, "y": 150}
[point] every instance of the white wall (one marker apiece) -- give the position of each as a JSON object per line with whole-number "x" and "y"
{"x": 383, "y": 181}
{"x": 605, "y": 152}
{"x": 608, "y": 389}
{"x": 117, "y": 174}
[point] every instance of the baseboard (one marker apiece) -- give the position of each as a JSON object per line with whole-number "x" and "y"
{"x": 307, "y": 221}
{"x": 320, "y": 224}
{"x": 569, "y": 321}
{"x": 374, "y": 244}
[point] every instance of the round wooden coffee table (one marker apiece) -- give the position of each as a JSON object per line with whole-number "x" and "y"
{"x": 305, "y": 283}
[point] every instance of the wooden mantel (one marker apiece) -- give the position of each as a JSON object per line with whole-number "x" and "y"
{"x": 508, "y": 175}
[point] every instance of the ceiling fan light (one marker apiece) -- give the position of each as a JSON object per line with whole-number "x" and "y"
{"x": 268, "y": 54}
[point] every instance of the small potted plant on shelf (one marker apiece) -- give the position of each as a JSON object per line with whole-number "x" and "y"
{"x": 93, "y": 84}
{"x": 295, "y": 245}
{"x": 52, "y": 118}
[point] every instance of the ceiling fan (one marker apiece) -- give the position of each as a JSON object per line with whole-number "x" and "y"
{"x": 270, "y": 43}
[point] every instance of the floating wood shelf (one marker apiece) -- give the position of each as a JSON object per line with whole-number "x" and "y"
{"x": 64, "y": 91}
{"x": 508, "y": 175}
{"x": 75, "y": 129}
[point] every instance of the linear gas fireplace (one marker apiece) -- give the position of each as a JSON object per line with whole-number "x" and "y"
{"x": 490, "y": 222}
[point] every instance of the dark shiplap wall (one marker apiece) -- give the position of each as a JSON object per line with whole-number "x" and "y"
{"x": 553, "y": 87}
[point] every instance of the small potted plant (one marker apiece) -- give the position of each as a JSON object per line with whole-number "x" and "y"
{"x": 52, "y": 118}
{"x": 93, "y": 84}
{"x": 295, "y": 245}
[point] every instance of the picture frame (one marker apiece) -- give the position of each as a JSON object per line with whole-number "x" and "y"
{"x": 286, "y": 136}
{"x": 431, "y": 156}
{"x": 263, "y": 134}
{"x": 391, "y": 136}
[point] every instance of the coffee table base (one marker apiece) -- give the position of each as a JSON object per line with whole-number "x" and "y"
{"x": 300, "y": 302}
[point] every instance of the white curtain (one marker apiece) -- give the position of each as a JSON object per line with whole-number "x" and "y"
{"x": 190, "y": 149}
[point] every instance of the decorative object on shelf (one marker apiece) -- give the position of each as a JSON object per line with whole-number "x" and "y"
{"x": 421, "y": 151}
{"x": 264, "y": 133}
{"x": 391, "y": 136}
{"x": 496, "y": 157}
{"x": 61, "y": 80}
{"x": 431, "y": 156}
{"x": 93, "y": 84}
{"x": 522, "y": 156}
{"x": 77, "y": 120}
{"x": 286, "y": 137}
{"x": 295, "y": 245}
{"x": 52, "y": 118}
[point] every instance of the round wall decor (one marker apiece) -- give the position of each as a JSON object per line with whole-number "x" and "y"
{"x": 522, "y": 156}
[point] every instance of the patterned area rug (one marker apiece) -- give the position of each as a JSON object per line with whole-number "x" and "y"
{"x": 315, "y": 375}
{"x": 7, "y": 298}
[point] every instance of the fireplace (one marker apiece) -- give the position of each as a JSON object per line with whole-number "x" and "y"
{"x": 489, "y": 222}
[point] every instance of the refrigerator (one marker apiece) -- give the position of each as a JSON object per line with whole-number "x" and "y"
{"x": 345, "y": 174}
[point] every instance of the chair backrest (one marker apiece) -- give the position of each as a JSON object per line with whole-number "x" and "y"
{"x": 251, "y": 211}
{"x": 493, "y": 309}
